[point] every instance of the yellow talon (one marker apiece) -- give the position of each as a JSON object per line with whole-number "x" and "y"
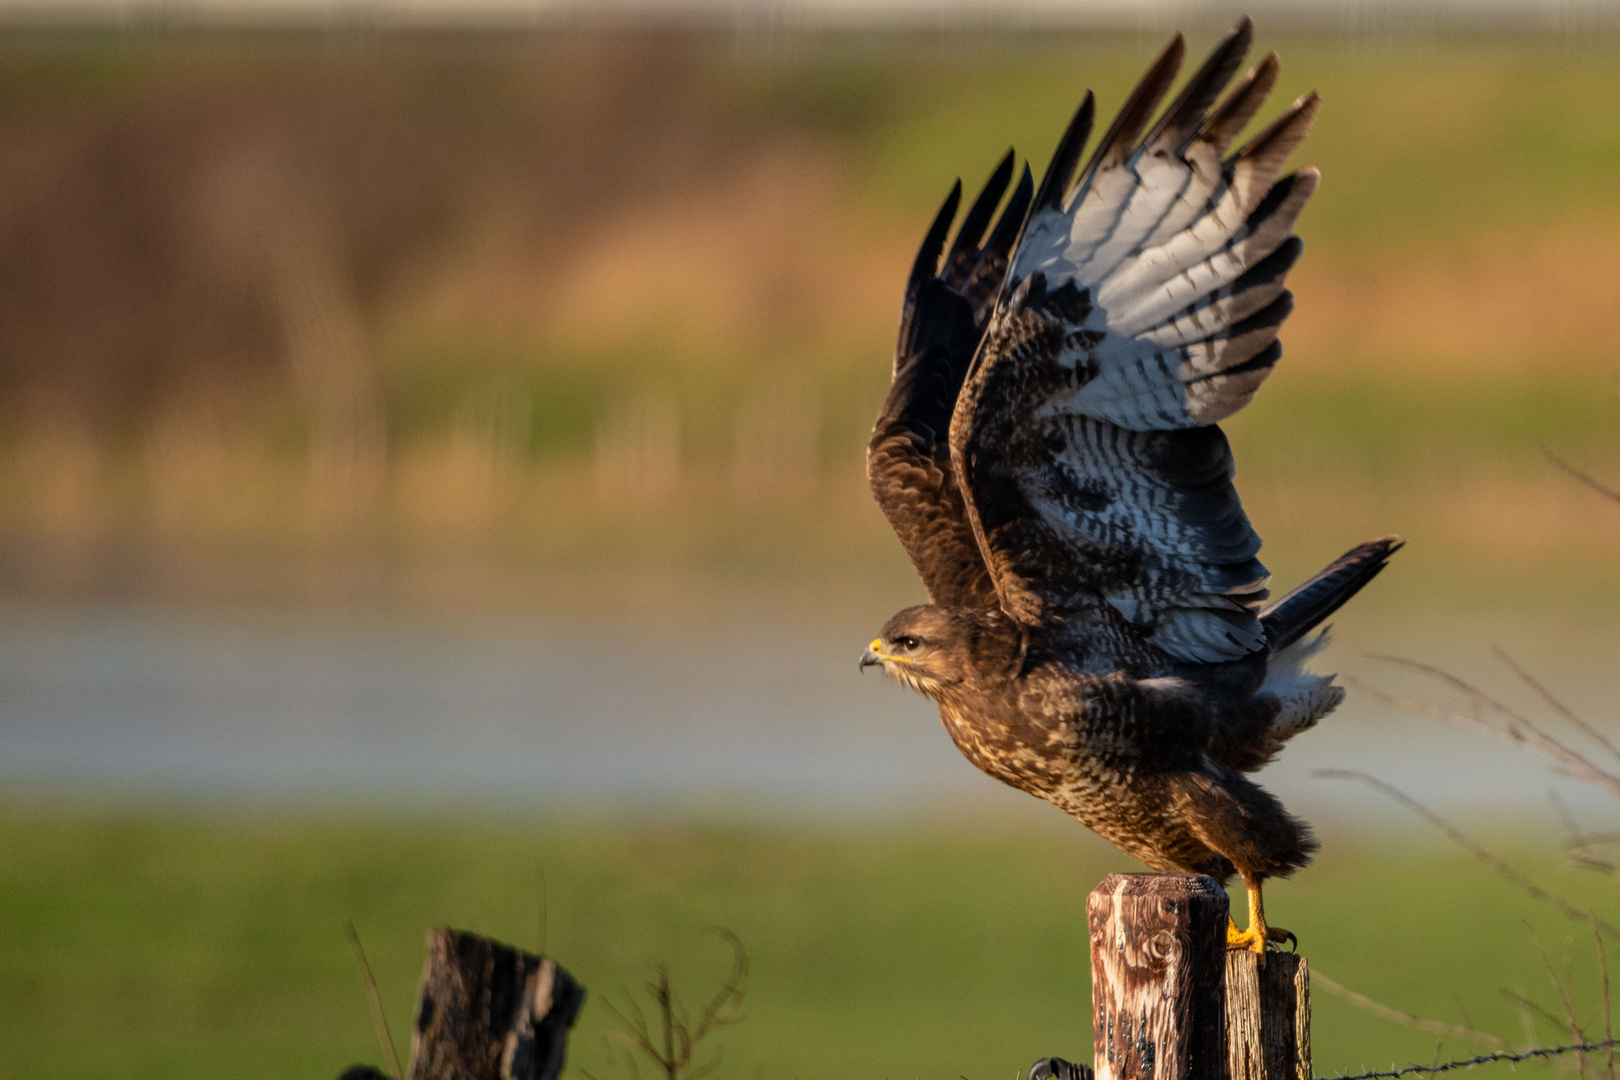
{"x": 1258, "y": 935}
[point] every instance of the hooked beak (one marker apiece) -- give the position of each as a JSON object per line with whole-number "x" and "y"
{"x": 872, "y": 657}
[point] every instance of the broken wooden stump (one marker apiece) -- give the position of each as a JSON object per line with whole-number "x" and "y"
{"x": 490, "y": 1012}
{"x": 487, "y": 1011}
{"x": 1170, "y": 1002}
{"x": 1158, "y": 953}
{"x": 1268, "y": 1017}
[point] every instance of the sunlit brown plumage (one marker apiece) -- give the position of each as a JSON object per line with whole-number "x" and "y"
{"x": 1049, "y": 458}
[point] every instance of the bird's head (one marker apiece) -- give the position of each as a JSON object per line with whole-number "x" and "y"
{"x": 921, "y": 647}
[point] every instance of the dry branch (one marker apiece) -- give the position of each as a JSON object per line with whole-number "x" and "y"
{"x": 1397, "y": 1016}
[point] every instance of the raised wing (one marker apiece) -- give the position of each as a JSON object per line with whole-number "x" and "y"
{"x": 908, "y": 460}
{"x": 1142, "y": 306}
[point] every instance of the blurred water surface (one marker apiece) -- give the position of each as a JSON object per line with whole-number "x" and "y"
{"x": 757, "y": 712}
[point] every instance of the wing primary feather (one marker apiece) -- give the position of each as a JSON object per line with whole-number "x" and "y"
{"x": 1005, "y": 234}
{"x": 1233, "y": 115}
{"x": 984, "y": 280}
{"x": 1266, "y": 359}
{"x": 1273, "y": 200}
{"x": 1120, "y": 141}
{"x": 965, "y": 250}
{"x": 1185, "y": 115}
{"x": 927, "y": 264}
{"x": 1067, "y": 155}
{"x": 1282, "y": 135}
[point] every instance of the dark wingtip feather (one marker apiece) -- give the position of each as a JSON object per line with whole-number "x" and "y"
{"x": 1287, "y": 131}
{"x": 1005, "y": 233}
{"x": 1120, "y": 141}
{"x": 1067, "y": 155}
{"x": 1233, "y": 115}
{"x": 1184, "y": 117}
{"x": 927, "y": 262}
{"x": 979, "y": 214}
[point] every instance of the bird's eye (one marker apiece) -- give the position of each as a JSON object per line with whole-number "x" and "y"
{"x": 908, "y": 642}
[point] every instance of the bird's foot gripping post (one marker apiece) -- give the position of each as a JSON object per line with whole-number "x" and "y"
{"x": 1259, "y": 934}
{"x": 1170, "y": 1001}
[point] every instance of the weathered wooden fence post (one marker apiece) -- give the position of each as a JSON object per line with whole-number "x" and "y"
{"x": 1268, "y": 1017}
{"x": 1158, "y": 956}
{"x": 1169, "y": 1002}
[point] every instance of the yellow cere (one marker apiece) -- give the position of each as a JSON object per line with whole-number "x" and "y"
{"x": 877, "y": 650}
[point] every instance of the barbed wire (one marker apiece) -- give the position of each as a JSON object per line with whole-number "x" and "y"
{"x": 1480, "y": 1059}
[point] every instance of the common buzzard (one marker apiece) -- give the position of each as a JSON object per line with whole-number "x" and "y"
{"x": 1048, "y": 455}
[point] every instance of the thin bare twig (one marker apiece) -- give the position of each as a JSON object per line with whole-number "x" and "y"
{"x": 1558, "y": 903}
{"x": 378, "y": 1020}
{"x": 1608, "y": 1015}
{"x": 674, "y": 1044}
{"x": 1561, "y": 988}
{"x": 1571, "y": 470}
{"x": 1527, "y": 1022}
{"x": 1518, "y": 730}
{"x": 1530, "y": 1007}
{"x": 544, "y": 914}
{"x": 1578, "y": 844}
{"x": 1555, "y": 703}
{"x": 1397, "y": 1016}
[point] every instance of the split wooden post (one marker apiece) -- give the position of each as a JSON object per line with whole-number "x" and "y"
{"x": 1268, "y": 1017}
{"x": 1170, "y": 1002}
{"x": 1158, "y": 956}
{"x": 490, "y": 1012}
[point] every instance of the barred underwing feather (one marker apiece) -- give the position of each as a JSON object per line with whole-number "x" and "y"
{"x": 1065, "y": 226}
{"x": 1139, "y": 311}
{"x": 1257, "y": 289}
{"x": 1247, "y": 247}
{"x": 1203, "y": 155}
{"x": 1161, "y": 173}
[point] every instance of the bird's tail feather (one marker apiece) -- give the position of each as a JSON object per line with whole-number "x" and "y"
{"x": 1290, "y": 618}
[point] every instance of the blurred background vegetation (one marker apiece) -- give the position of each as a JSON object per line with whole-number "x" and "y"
{"x": 586, "y": 326}
{"x": 619, "y": 302}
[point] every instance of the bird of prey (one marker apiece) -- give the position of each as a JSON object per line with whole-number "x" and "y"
{"x": 1048, "y": 454}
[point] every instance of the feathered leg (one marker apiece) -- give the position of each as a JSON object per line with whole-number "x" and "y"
{"x": 1232, "y": 816}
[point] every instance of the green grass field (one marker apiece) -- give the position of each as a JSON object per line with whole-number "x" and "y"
{"x": 168, "y": 944}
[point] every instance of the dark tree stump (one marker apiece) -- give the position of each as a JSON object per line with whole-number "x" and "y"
{"x": 1268, "y": 1017}
{"x": 490, "y": 1012}
{"x": 1158, "y": 962}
